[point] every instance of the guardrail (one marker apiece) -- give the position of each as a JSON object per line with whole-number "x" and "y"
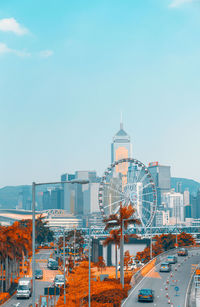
{"x": 147, "y": 267}
{"x": 188, "y": 291}
{"x": 139, "y": 275}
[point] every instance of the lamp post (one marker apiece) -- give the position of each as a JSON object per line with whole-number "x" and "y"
{"x": 74, "y": 244}
{"x": 151, "y": 252}
{"x": 176, "y": 227}
{"x": 33, "y": 242}
{"x": 89, "y": 276}
{"x": 151, "y": 248}
{"x": 79, "y": 181}
{"x": 122, "y": 255}
{"x": 64, "y": 264}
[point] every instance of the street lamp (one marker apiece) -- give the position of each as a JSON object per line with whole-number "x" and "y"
{"x": 151, "y": 247}
{"x": 74, "y": 244}
{"x": 89, "y": 276}
{"x": 64, "y": 264}
{"x": 176, "y": 227}
{"x": 122, "y": 254}
{"x": 79, "y": 181}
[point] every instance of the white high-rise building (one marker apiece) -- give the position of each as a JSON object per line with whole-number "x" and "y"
{"x": 162, "y": 218}
{"x": 186, "y": 198}
{"x": 174, "y": 203}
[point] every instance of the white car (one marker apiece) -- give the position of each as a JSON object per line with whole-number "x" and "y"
{"x": 59, "y": 280}
{"x": 138, "y": 263}
{"x": 130, "y": 267}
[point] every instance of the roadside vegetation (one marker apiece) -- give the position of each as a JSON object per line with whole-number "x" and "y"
{"x": 164, "y": 243}
{"x": 16, "y": 250}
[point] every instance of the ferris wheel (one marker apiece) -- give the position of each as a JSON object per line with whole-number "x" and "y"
{"x": 128, "y": 181}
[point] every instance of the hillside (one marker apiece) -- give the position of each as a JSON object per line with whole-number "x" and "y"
{"x": 190, "y": 184}
{"x": 9, "y": 195}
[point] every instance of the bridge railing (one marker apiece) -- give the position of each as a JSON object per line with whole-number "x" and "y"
{"x": 143, "y": 231}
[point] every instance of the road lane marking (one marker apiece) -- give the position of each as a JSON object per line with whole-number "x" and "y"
{"x": 144, "y": 278}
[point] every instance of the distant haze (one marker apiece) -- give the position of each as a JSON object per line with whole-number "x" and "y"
{"x": 70, "y": 70}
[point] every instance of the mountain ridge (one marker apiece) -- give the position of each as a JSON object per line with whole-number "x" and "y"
{"x": 9, "y": 194}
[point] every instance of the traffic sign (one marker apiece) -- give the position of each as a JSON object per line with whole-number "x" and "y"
{"x": 176, "y": 289}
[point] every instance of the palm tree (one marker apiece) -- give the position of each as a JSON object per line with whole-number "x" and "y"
{"x": 122, "y": 220}
{"x": 114, "y": 238}
{"x": 124, "y": 217}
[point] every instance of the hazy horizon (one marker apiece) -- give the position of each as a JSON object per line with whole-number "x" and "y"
{"x": 70, "y": 70}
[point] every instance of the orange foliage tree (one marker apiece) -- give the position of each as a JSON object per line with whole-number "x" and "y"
{"x": 127, "y": 259}
{"x": 103, "y": 293}
{"x": 185, "y": 239}
{"x": 163, "y": 243}
{"x": 100, "y": 264}
{"x": 15, "y": 243}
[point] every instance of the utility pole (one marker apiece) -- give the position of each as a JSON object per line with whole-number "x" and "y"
{"x": 89, "y": 255}
{"x": 64, "y": 265}
{"x": 33, "y": 243}
{"x": 74, "y": 244}
{"x": 151, "y": 251}
{"x": 122, "y": 255}
{"x": 176, "y": 228}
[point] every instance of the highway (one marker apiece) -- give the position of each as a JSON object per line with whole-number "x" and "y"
{"x": 48, "y": 277}
{"x": 164, "y": 284}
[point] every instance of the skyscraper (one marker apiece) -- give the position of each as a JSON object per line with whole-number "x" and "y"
{"x": 195, "y": 202}
{"x": 69, "y": 192}
{"x": 161, "y": 175}
{"x": 174, "y": 203}
{"x": 121, "y": 146}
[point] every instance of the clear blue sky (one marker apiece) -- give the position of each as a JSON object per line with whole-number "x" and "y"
{"x": 67, "y": 70}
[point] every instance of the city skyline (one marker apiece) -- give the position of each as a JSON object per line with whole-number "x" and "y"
{"x": 69, "y": 72}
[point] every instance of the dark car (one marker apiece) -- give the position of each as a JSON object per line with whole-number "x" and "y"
{"x": 38, "y": 274}
{"x": 146, "y": 295}
{"x": 182, "y": 252}
{"x": 54, "y": 266}
{"x": 172, "y": 259}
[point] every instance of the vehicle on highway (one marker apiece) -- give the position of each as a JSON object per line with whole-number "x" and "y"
{"x": 38, "y": 274}
{"x": 165, "y": 267}
{"x": 172, "y": 259}
{"x": 52, "y": 264}
{"x": 130, "y": 267}
{"x": 146, "y": 295}
{"x": 50, "y": 260}
{"x": 182, "y": 252}
{"x": 59, "y": 280}
{"x": 138, "y": 263}
{"x": 24, "y": 289}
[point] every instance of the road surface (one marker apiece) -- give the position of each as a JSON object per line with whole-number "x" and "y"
{"x": 157, "y": 281}
{"x": 48, "y": 277}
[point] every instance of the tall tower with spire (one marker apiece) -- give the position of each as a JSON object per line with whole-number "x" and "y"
{"x": 121, "y": 146}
